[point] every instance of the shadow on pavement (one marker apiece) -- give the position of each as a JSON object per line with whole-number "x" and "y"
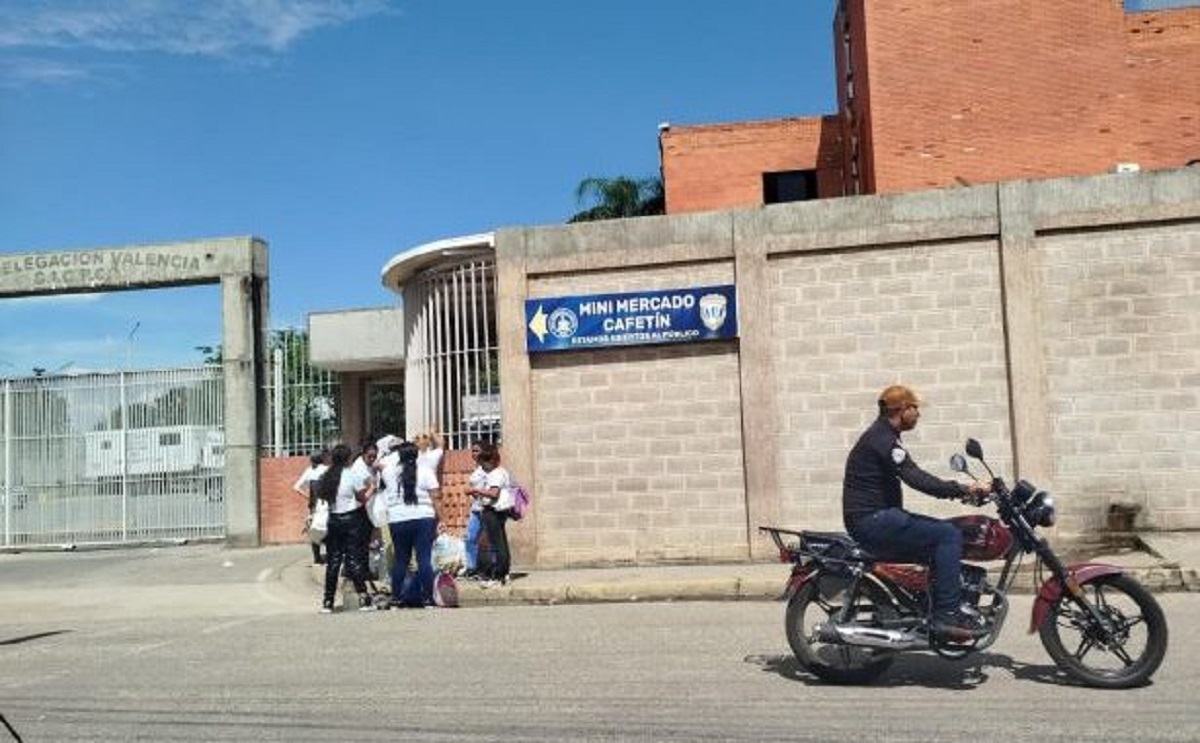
{"x": 36, "y": 636}
{"x": 925, "y": 670}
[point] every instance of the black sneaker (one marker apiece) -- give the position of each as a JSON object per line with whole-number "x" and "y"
{"x": 958, "y": 627}
{"x": 327, "y": 607}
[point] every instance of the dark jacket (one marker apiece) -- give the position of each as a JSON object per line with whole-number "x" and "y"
{"x": 874, "y": 469}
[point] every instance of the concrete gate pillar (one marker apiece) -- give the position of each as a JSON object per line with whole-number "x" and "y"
{"x": 240, "y": 265}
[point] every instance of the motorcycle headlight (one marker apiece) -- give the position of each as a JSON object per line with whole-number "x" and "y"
{"x": 1040, "y": 510}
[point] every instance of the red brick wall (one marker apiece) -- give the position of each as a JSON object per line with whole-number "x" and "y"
{"x": 955, "y": 93}
{"x": 1004, "y": 89}
{"x": 282, "y": 512}
{"x": 721, "y": 165}
{"x": 1161, "y": 124}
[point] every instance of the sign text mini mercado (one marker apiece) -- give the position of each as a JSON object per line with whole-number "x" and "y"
{"x": 631, "y": 319}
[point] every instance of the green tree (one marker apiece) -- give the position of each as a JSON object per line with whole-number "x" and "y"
{"x": 617, "y": 198}
{"x": 310, "y": 404}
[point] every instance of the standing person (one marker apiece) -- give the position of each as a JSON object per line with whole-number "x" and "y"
{"x": 305, "y": 486}
{"x": 873, "y": 509}
{"x": 365, "y": 466}
{"x": 495, "y": 563}
{"x": 413, "y": 515}
{"x": 346, "y": 493}
{"x": 429, "y": 452}
{"x": 476, "y": 482}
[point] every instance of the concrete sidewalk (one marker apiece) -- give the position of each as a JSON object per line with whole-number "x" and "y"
{"x": 1162, "y": 562}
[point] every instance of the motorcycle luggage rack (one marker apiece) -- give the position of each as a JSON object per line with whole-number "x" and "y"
{"x": 795, "y": 546}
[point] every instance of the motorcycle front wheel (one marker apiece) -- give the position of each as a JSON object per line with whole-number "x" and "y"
{"x": 1122, "y": 653}
{"x": 834, "y": 662}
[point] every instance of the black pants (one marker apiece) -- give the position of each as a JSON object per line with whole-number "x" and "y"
{"x": 496, "y": 562}
{"x": 346, "y": 539}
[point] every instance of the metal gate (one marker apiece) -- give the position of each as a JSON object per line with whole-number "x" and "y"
{"x": 116, "y": 457}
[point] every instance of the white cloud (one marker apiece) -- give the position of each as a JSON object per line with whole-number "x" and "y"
{"x": 222, "y": 29}
{"x": 22, "y": 71}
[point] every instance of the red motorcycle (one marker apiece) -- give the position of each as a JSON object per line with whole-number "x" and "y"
{"x": 849, "y": 614}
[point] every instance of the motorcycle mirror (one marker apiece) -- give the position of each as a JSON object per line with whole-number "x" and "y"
{"x": 958, "y": 463}
{"x": 974, "y": 450}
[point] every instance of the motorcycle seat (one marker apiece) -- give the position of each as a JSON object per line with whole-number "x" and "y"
{"x": 835, "y": 544}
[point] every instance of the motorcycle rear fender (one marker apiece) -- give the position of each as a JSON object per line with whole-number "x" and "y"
{"x": 1082, "y": 573}
{"x": 799, "y": 578}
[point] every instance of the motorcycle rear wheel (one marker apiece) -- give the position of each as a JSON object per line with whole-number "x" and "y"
{"x": 833, "y": 662}
{"x": 1139, "y": 634}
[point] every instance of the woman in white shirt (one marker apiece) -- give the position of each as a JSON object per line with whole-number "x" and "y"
{"x": 306, "y": 487}
{"x": 493, "y": 565}
{"x": 413, "y": 515}
{"x": 346, "y": 492}
{"x": 429, "y": 452}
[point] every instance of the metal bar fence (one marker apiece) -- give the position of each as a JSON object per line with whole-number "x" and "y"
{"x": 302, "y": 401}
{"x": 116, "y": 457}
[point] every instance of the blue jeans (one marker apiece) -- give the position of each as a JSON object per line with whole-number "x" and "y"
{"x": 894, "y": 534}
{"x": 407, "y": 536}
{"x": 474, "y": 529}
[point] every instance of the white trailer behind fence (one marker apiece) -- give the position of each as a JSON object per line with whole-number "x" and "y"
{"x": 118, "y": 457}
{"x": 140, "y": 456}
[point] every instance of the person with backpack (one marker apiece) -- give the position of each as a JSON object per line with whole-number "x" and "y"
{"x": 494, "y": 565}
{"x": 347, "y": 493}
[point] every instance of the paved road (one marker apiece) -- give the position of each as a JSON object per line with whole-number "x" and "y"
{"x": 207, "y": 644}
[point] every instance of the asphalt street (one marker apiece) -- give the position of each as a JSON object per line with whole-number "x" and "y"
{"x": 202, "y": 643}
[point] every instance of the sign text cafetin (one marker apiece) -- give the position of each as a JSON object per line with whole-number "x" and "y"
{"x": 635, "y": 318}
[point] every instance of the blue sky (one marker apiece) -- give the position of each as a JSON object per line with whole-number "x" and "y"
{"x": 343, "y": 132}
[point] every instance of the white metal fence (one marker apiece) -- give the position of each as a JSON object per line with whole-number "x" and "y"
{"x": 452, "y": 369}
{"x": 118, "y": 457}
{"x": 302, "y": 400}
{"x": 139, "y": 456}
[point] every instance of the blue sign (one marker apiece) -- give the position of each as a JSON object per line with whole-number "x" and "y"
{"x": 633, "y": 319}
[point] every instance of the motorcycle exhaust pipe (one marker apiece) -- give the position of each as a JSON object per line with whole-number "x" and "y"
{"x": 871, "y": 637}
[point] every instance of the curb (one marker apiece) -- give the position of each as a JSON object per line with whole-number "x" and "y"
{"x": 699, "y": 589}
{"x": 1163, "y": 578}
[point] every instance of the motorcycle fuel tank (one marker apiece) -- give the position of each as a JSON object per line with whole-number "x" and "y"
{"x": 983, "y": 538}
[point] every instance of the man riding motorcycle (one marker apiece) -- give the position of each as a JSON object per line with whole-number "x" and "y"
{"x": 873, "y": 510}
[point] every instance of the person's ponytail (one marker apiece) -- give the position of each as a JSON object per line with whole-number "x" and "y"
{"x": 327, "y": 484}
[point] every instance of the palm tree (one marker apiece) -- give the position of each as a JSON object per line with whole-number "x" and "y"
{"x": 620, "y": 197}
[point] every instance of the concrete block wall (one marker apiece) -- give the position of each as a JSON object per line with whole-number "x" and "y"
{"x": 1055, "y": 321}
{"x": 1121, "y": 329}
{"x": 638, "y": 451}
{"x": 848, "y": 325}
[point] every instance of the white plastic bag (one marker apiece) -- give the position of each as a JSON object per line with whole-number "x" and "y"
{"x": 377, "y": 509}
{"x": 504, "y": 501}
{"x": 449, "y": 553}
{"x": 318, "y": 525}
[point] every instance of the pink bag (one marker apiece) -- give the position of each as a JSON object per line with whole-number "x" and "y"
{"x": 445, "y": 591}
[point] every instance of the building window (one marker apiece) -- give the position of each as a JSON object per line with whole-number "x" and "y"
{"x": 1139, "y": 6}
{"x": 789, "y": 185}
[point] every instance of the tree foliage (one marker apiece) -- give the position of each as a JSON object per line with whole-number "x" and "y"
{"x": 618, "y": 198}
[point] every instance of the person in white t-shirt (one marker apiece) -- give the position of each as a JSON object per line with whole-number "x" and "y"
{"x": 305, "y": 486}
{"x": 494, "y": 564}
{"x": 413, "y": 516}
{"x": 475, "y": 482}
{"x": 347, "y": 493}
{"x": 429, "y": 452}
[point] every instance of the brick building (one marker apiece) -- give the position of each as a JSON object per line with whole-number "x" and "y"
{"x": 946, "y": 94}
